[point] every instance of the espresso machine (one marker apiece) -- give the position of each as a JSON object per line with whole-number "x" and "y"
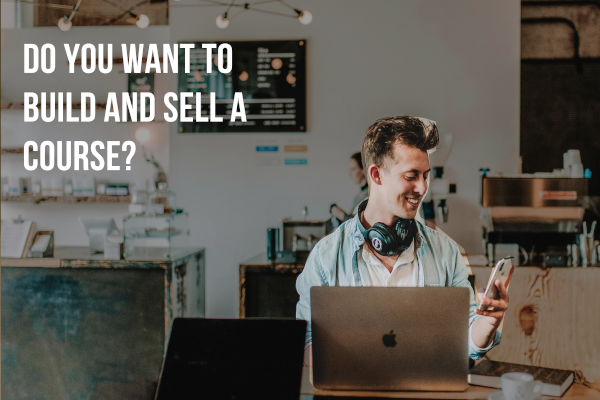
{"x": 541, "y": 217}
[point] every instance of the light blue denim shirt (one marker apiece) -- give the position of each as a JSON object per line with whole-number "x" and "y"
{"x": 438, "y": 258}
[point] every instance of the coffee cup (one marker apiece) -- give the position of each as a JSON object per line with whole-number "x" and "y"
{"x": 577, "y": 170}
{"x": 521, "y": 386}
{"x": 573, "y": 156}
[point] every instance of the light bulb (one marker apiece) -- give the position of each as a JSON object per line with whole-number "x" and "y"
{"x": 64, "y": 24}
{"x": 142, "y": 134}
{"x": 222, "y": 22}
{"x": 142, "y": 21}
{"x": 305, "y": 17}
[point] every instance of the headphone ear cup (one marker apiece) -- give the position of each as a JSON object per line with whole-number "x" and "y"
{"x": 383, "y": 239}
{"x": 406, "y": 230}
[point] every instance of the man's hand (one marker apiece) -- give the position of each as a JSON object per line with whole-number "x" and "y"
{"x": 308, "y": 356}
{"x": 496, "y": 307}
{"x": 484, "y": 328}
{"x": 338, "y": 213}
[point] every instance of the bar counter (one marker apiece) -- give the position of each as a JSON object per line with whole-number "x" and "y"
{"x": 78, "y": 326}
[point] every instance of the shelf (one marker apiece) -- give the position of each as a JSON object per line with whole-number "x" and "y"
{"x": 36, "y": 199}
{"x": 12, "y": 150}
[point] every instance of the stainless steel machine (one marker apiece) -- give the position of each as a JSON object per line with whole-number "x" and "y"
{"x": 302, "y": 236}
{"x": 542, "y": 216}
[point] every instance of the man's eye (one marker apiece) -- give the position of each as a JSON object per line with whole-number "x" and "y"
{"x": 410, "y": 178}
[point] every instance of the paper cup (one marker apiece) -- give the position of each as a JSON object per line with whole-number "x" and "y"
{"x": 577, "y": 170}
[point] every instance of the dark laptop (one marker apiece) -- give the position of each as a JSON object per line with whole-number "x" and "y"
{"x": 233, "y": 359}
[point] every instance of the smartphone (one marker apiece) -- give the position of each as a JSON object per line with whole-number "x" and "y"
{"x": 502, "y": 271}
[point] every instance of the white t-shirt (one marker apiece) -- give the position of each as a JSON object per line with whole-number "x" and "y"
{"x": 404, "y": 272}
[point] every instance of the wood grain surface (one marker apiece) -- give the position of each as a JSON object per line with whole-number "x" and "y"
{"x": 576, "y": 391}
{"x": 553, "y": 319}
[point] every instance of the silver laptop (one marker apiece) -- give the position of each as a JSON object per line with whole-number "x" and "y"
{"x": 396, "y": 338}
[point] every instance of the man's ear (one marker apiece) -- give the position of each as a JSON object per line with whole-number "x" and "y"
{"x": 375, "y": 174}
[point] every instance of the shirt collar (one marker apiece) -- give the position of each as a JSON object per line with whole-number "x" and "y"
{"x": 406, "y": 257}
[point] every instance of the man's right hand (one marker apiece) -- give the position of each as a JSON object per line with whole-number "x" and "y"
{"x": 308, "y": 356}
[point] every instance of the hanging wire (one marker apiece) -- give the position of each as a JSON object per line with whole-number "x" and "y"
{"x": 287, "y": 5}
{"x": 240, "y": 12}
{"x": 126, "y": 12}
{"x": 211, "y": 3}
{"x": 271, "y": 12}
{"x": 115, "y": 5}
{"x": 55, "y": 6}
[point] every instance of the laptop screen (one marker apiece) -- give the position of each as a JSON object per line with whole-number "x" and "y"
{"x": 233, "y": 359}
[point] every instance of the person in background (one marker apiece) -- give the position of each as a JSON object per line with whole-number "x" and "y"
{"x": 357, "y": 175}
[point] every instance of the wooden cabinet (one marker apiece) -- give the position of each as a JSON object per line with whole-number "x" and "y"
{"x": 79, "y": 326}
{"x": 268, "y": 288}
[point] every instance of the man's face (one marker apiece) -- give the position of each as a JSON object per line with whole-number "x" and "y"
{"x": 404, "y": 180}
{"x": 356, "y": 174}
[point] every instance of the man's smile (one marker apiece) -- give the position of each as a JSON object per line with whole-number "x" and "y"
{"x": 413, "y": 202}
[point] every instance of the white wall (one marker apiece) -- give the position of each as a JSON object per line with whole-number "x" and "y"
{"x": 63, "y": 218}
{"x": 456, "y": 62}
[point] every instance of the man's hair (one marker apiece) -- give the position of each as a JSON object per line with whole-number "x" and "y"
{"x": 357, "y": 157}
{"x": 386, "y": 132}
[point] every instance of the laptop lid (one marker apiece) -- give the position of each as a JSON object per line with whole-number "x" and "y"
{"x": 233, "y": 359}
{"x": 390, "y": 338}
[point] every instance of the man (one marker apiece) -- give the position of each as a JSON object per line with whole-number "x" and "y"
{"x": 357, "y": 175}
{"x": 395, "y": 154}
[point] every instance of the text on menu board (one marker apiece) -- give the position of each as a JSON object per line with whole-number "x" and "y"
{"x": 270, "y": 74}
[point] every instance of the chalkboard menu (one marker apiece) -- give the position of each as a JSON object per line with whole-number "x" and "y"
{"x": 271, "y": 75}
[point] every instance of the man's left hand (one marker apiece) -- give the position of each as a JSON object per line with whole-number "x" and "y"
{"x": 496, "y": 307}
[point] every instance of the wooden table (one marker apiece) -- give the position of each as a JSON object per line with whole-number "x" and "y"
{"x": 575, "y": 392}
{"x": 80, "y": 326}
{"x": 553, "y": 319}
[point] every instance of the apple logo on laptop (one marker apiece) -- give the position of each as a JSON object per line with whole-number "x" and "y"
{"x": 389, "y": 339}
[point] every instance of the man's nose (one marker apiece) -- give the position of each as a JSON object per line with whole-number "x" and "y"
{"x": 421, "y": 186}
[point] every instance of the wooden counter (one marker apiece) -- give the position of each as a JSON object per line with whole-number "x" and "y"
{"x": 80, "y": 326}
{"x": 577, "y": 391}
{"x": 553, "y": 319}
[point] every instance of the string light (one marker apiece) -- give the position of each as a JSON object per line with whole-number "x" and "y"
{"x": 305, "y": 17}
{"x": 142, "y": 134}
{"x": 64, "y": 24}
{"x": 222, "y": 21}
{"x": 142, "y": 21}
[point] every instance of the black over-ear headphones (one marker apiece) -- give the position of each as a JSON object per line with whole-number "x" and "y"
{"x": 386, "y": 240}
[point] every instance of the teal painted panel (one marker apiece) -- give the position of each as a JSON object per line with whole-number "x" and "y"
{"x": 73, "y": 334}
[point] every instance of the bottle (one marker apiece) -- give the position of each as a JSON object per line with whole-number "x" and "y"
{"x": 162, "y": 197}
